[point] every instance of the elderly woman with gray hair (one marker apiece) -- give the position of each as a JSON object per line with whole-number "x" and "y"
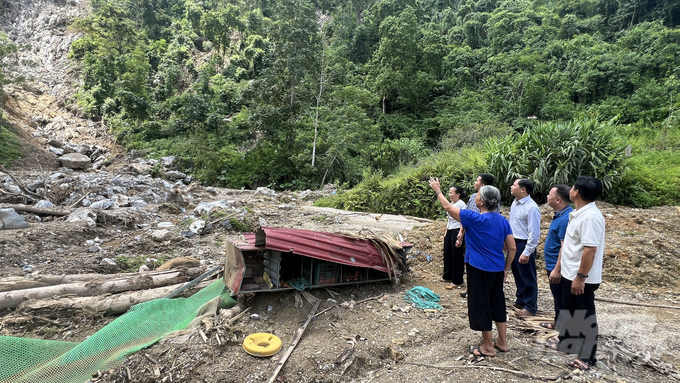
{"x": 486, "y": 235}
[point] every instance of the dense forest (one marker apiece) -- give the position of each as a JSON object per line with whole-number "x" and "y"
{"x": 376, "y": 95}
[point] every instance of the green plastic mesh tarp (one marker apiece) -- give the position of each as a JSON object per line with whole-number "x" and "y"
{"x": 47, "y": 361}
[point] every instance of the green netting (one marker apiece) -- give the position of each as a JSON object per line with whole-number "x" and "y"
{"x": 422, "y": 298}
{"x": 47, "y": 361}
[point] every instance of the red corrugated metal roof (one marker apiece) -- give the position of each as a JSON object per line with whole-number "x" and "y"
{"x": 319, "y": 245}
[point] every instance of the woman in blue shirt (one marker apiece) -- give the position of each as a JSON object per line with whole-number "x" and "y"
{"x": 486, "y": 234}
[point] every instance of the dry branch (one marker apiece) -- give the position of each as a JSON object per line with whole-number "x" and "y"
{"x": 11, "y": 299}
{"x": 37, "y": 210}
{"x": 637, "y": 304}
{"x": 113, "y": 304}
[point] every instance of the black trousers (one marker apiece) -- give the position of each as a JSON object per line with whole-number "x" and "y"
{"x": 454, "y": 258}
{"x": 578, "y": 322}
{"x": 556, "y": 290}
{"x": 486, "y": 301}
{"x": 526, "y": 280}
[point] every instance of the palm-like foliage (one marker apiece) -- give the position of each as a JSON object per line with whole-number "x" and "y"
{"x": 557, "y": 153}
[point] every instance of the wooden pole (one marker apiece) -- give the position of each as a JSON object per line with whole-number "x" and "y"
{"x": 12, "y": 299}
{"x": 296, "y": 339}
{"x": 23, "y": 283}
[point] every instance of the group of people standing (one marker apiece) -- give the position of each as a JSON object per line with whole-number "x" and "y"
{"x": 482, "y": 241}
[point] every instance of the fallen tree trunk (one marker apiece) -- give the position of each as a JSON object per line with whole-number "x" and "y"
{"x": 23, "y": 283}
{"x": 12, "y": 299}
{"x": 38, "y": 210}
{"x": 114, "y": 304}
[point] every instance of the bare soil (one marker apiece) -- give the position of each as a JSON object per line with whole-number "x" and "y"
{"x": 389, "y": 339}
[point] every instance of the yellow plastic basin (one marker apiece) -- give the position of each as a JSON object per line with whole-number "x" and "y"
{"x": 262, "y": 344}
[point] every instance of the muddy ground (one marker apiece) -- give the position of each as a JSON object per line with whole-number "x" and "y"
{"x": 389, "y": 340}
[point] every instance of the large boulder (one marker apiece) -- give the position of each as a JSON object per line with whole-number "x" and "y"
{"x": 9, "y": 219}
{"x": 75, "y": 161}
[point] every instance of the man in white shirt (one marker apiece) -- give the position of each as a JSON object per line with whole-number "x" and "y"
{"x": 525, "y": 222}
{"x": 580, "y": 267}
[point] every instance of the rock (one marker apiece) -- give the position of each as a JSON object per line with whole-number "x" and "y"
{"x": 179, "y": 262}
{"x": 9, "y": 219}
{"x": 12, "y": 188}
{"x": 108, "y": 261}
{"x": 187, "y": 233}
{"x": 175, "y": 175}
{"x": 168, "y": 161}
{"x": 102, "y": 205}
{"x": 83, "y": 215}
{"x": 208, "y": 207}
{"x": 75, "y": 161}
{"x": 33, "y": 186}
{"x": 56, "y": 151}
{"x": 160, "y": 235}
{"x": 197, "y": 227}
{"x": 93, "y": 249}
{"x": 265, "y": 191}
{"x": 44, "y": 204}
{"x": 162, "y": 225}
{"x": 26, "y": 268}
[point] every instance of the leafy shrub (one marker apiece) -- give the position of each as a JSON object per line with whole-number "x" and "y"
{"x": 653, "y": 180}
{"x": 557, "y": 153}
{"x": 407, "y": 192}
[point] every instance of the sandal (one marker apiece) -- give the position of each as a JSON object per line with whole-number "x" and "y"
{"x": 581, "y": 365}
{"x": 553, "y": 344}
{"x": 449, "y": 286}
{"x": 548, "y": 325}
{"x": 444, "y": 280}
{"x": 498, "y": 348}
{"x": 477, "y": 351}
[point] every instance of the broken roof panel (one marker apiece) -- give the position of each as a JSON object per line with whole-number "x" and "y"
{"x": 336, "y": 248}
{"x": 329, "y": 247}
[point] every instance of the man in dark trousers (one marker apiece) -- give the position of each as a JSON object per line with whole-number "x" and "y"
{"x": 525, "y": 221}
{"x": 558, "y": 200}
{"x": 580, "y": 265}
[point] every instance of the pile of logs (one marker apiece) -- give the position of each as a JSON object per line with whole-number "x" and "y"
{"x": 53, "y": 295}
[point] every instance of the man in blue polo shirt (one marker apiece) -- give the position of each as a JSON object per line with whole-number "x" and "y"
{"x": 558, "y": 200}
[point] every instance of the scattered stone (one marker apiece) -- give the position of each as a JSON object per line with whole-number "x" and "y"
{"x": 187, "y": 233}
{"x": 162, "y": 225}
{"x": 10, "y": 219}
{"x": 26, "y": 268}
{"x": 94, "y": 249}
{"x": 108, "y": 261}
{"x": 265, "y": 191}
{"x": 75, "y": 161}
{"x": 33, "y": 186}
{"x": 44, "y": 204}
{"x": 208, "y": 207}
{"x": 102, "y": 205}
{"x": 160, "y": 235}
{"x": 168, "y": 161}
{"x": 56, "y": 151}
{"x": 175, "y": 175}
{"x": 197, "y": 227}
{"x": 83, "y": 215}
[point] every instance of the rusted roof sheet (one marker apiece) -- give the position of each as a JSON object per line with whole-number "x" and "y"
{"x": 319, "y": 245}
